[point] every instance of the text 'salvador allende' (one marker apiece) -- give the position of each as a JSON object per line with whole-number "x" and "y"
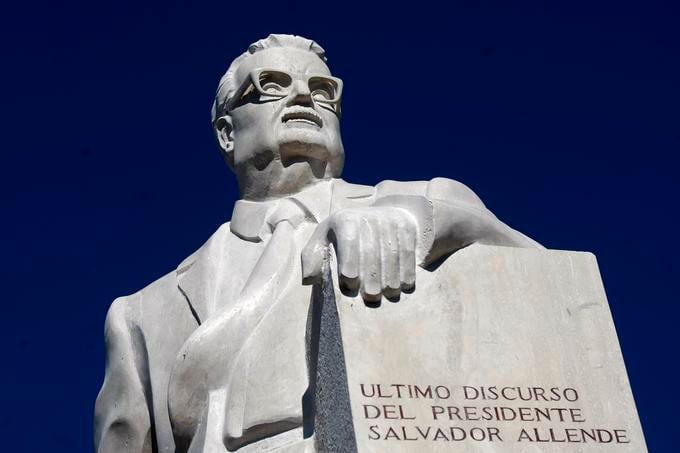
{"x": 480, "y": 414}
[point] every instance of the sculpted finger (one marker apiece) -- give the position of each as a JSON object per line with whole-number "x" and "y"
{"x": 391, "y": 277}
{"x": 369, "y": 271}
{"x": 346, "y": 239}
{"x": 407, "y": 255}
{"x": 314, "y": 252}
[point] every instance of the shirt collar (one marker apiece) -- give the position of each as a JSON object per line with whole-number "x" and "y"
{"x": 249, "y": 218}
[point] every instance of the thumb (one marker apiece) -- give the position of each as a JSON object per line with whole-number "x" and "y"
{"x": 315, "y": 252}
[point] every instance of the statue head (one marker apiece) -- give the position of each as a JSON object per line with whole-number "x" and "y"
{"x": 276, "y": 117}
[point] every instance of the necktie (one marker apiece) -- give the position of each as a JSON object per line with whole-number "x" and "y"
{"x": 208, "y": 386}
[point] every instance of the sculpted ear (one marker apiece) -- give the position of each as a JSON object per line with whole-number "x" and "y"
{"x": 225, "y": 137}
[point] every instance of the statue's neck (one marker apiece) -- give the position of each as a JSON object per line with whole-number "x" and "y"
{"x": 277, "y": 181}
{"x": 251, "y": 194}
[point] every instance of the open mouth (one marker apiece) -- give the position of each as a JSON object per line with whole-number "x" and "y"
{"x": 302, "y": 117}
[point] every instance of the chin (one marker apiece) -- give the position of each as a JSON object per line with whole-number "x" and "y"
{"x": 297, "y": 145}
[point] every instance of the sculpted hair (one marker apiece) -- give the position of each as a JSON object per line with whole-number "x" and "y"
{"x": 227, "y": 85}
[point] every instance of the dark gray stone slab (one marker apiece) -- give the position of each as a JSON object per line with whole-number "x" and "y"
{"x": 327, "y": 403}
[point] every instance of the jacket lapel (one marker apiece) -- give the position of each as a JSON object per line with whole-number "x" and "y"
{"x": 199, "y": 274}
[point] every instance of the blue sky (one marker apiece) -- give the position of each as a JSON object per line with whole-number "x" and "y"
{"x": 563, "y": 117}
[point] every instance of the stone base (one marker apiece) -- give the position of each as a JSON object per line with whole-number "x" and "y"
{"x": 498, "y": 350}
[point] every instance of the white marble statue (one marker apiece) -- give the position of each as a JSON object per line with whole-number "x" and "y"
{"x": 212, "y": 356}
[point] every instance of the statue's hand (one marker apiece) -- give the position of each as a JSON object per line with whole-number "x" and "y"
{"x": 375, "y": 247}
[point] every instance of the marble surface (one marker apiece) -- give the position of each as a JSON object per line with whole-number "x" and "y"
{"x": 498, "y": 350}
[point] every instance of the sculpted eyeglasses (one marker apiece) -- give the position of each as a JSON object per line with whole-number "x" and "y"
{"x": 275, "y": 83}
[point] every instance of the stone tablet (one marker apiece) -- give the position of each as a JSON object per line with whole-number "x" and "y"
{"x": 498, "y": 349}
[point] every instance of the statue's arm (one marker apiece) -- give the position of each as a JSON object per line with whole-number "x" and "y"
{"x": 450, "y": 216}
{"x": 405, "y": 224}
{"x": 122, "y": 422}
{"x": 460, "y": 219}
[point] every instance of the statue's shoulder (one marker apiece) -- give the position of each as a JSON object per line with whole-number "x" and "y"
{"x": 344, "y": 189}
{"x": 152, "y": 298}
{"x": 148, "y": 301}
{"x": 162, "y": 295}
{"x": 437, "y": 189}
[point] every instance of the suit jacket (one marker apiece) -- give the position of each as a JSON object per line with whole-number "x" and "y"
{"x": 145, "y": 331}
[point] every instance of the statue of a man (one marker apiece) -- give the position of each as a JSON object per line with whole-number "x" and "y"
{"x": 212, "y": 356}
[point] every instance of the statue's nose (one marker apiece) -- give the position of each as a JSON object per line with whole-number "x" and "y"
{"x": 300, "y": 94}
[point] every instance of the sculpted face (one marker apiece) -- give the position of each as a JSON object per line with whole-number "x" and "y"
{"x": 290, "y": 138}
